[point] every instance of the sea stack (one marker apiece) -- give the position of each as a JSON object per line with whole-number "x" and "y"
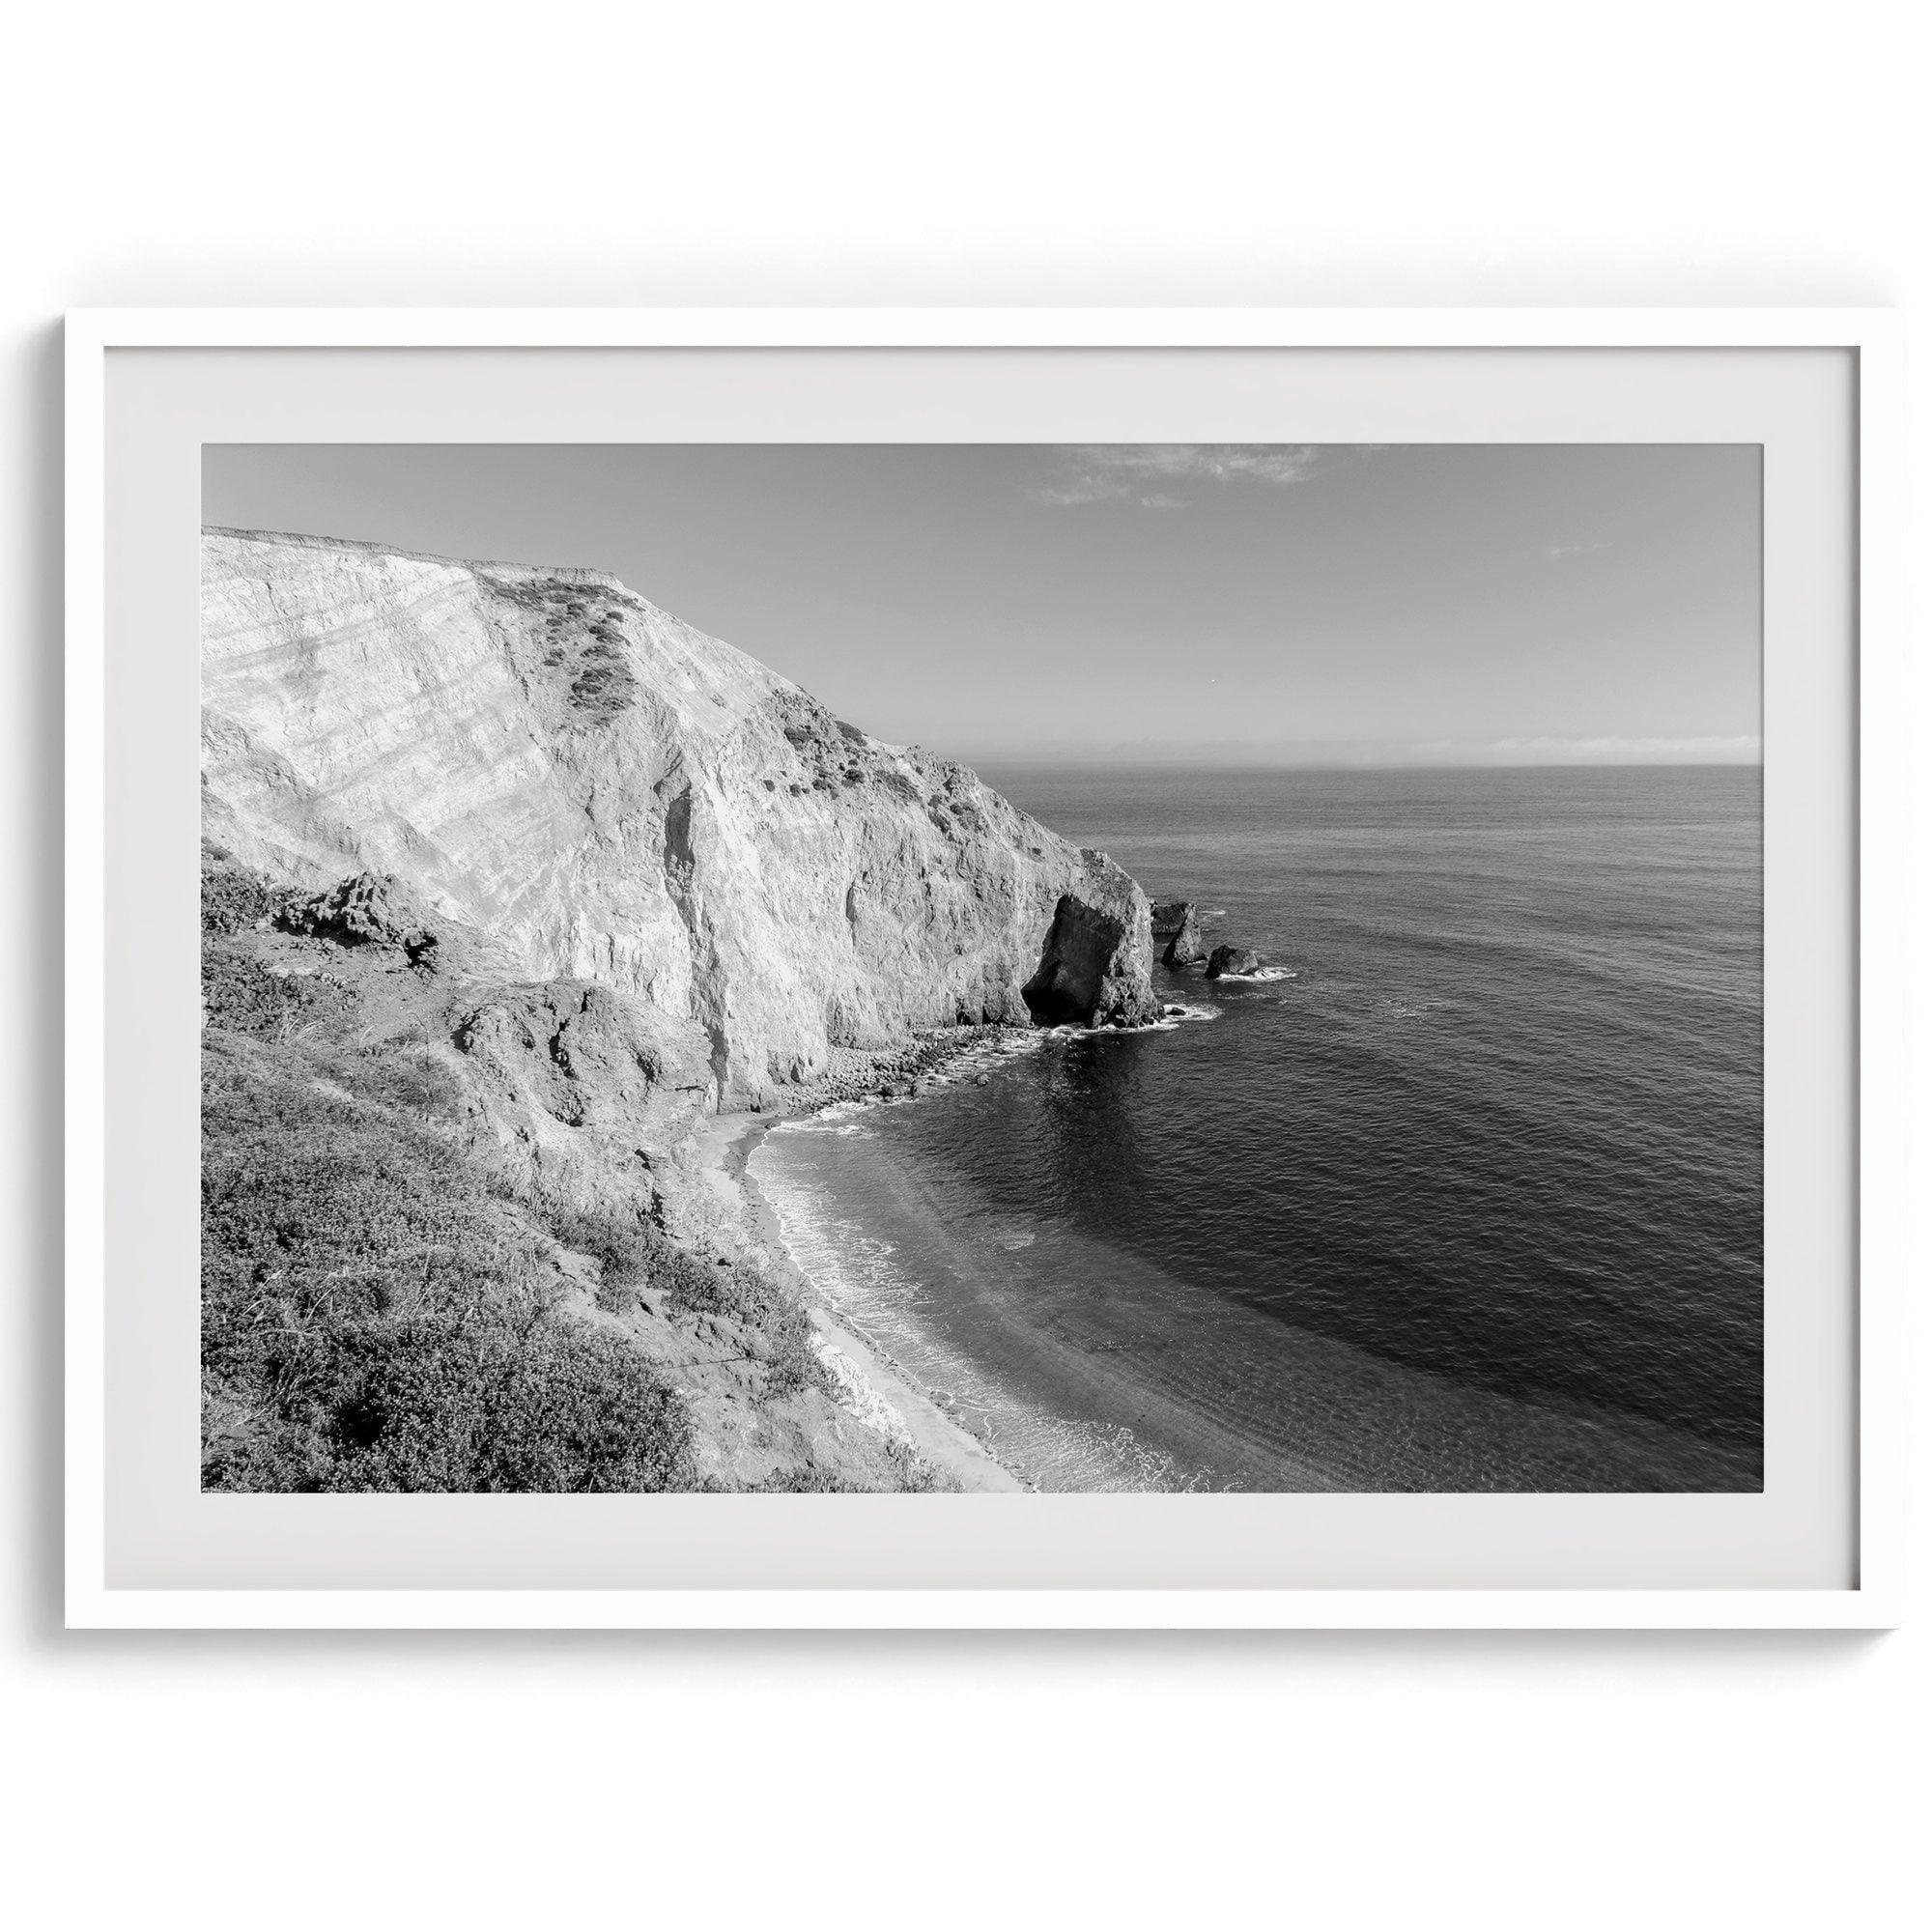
{"x": 1093, "y": 970}
{"x": 1184, "y": 944}
{"x": 1230, "y": 959}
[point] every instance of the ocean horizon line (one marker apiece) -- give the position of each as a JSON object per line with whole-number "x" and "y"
{"x": 1261, "y": 763}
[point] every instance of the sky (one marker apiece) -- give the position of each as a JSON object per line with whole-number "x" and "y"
{"x": 1252, "y": 603}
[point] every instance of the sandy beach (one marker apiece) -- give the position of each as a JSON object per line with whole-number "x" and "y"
{"x": 871, "y": 1386}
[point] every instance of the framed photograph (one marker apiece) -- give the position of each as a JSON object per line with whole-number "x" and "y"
{"x": 984, "y": 968}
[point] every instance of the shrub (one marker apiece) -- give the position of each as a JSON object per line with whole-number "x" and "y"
{"x": 633, "y": 1253}
{"x": 603, "y": 684}
{"x": 443, "y": 1405}
{"x": 234, "y": 896}
{"x": 415, "y": 1082}
{"x": 241, "y": 995}
{"x": 376, "y": 1315}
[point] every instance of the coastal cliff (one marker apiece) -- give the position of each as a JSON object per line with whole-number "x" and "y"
{"x": 512, "y": 881}
{"x": 599, "y": 792}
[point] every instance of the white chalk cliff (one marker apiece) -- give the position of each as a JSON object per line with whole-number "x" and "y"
{"x": 597, "y": 792}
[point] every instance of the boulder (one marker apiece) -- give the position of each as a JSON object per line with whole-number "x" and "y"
{"x": 1225, "y": 959}
{"x": 1168, "y": 917}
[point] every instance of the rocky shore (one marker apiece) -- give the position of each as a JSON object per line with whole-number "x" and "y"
{"x": 900, "y": 1072}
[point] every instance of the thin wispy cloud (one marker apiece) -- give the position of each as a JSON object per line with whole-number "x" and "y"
{"x": 1152, "y": 474}
{"x": 1556, "y": 553}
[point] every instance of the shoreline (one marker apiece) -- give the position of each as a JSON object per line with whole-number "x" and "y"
{"x": 1084, "y": 1387}
{"x": 874, "y": 1388}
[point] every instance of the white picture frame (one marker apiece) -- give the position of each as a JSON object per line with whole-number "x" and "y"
{"x": 1871, "y": 1600}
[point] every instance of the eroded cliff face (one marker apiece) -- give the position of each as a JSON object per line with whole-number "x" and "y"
{"x": 597, "y": 793}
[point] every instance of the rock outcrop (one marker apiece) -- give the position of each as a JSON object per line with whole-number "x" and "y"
{"x": 1095, "y": 969}
{"x": 577, "y": 787}
{"x": 1184, "y": 944}
{"x": 1227, "y": 960}
{"x": 367, "y": 910}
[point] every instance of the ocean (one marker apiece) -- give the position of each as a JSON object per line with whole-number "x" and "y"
{"x": 1473, "y": 1201}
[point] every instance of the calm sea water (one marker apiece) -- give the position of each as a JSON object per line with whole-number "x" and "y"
{"x": 1473, "y": 1201}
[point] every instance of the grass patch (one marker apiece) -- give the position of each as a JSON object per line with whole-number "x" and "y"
{"x": 376, "y": 1315}
{"x": 634, "y": 1253}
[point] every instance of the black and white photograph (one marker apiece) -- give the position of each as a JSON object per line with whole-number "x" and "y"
{"x": 966, "y": 968}
{"x": 953, "y": 968}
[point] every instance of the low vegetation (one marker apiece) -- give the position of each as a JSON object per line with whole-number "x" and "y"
{"x": 376, "y": 1315}
{"x": 583, "y": 628}
{"x": 636, "y": 1257}
{"x": 603, "y": 685}
{"x": 233, "y": 896}
{"x": 386, "y": 1308}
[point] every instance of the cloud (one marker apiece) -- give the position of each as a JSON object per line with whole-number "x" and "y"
{"x": 1556, "y": 553}
{"x": 1148, "y": 474}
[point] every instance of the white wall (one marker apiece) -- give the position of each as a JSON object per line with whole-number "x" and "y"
{"x": 360, "y": 154}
